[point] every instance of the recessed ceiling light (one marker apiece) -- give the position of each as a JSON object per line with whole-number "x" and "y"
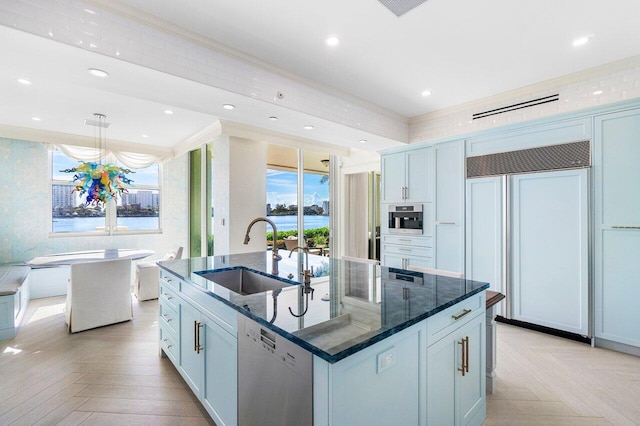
{"x": 228, "y": 106}
{"x": 35, "y": 118}
{"x": 24, "y": 81}
{"x": 598, "y": 92}
{"x": 426, "y": 92}
{"x": 92, "y": 45}
{"x": 145, "y": 136}
{"x": 89, "y": 11}
{"x": 363, "y": 141}
{"x": 332, "y": 41}
{"x": 581, "y": 41}
{"x": 273, "y": 118}
{"x": 98, "y": 73}
{"x": 168, "y": 111}
{"x": 308, "y": 127}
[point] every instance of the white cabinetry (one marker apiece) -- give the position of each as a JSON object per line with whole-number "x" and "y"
{"x": 617, "y": 227}
{"x": 449, "y": 205}
{"x": 406, "y": 176}
{"x": 198, "y": 334}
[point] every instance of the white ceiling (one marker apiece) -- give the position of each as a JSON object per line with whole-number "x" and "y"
{"x": 462, "y": 50}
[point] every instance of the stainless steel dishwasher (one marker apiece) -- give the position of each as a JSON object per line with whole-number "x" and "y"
{"x": 275, "y": 378}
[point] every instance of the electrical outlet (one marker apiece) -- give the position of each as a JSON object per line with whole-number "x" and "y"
{"x": 386, "y": 359}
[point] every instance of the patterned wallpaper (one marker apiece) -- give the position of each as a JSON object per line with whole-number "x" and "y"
{"x": 25, "y": 208}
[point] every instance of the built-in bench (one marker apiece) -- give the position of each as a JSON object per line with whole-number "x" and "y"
{"x": 14, "y": 296}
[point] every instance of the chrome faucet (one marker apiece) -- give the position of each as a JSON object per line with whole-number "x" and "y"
{"x": 307, "y": 273}
{"x": 275, "y": 257}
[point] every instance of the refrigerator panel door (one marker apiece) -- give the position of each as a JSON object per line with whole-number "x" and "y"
{"x": 550, "y": 271}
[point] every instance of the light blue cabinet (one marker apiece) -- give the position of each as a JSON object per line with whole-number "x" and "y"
{"x": 456, "y": 389}
{"x": 616, "y": 165}
{"x": 403, "y": 251}
{"x": 449, "y": 205}
{"x": 424, "y": 361}
{"x": 202, "y": 343}
{"x": 406, "y": 176}
{"x": 191, "y": 361}
{"x": 220, "y": 393}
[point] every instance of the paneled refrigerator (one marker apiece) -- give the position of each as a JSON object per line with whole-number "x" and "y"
{"x": 528, "y": 233}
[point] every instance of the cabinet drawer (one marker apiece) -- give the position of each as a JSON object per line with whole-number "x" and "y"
{"x": 169, "y": 317}
{"x": 170, "y": 280}
{"x": 168, "y": 296}
{"x": 168, "y": 343}
{"x": 408, "y": 250}
{"x": 445, "y": 322}
{"x": 405, "y": 240}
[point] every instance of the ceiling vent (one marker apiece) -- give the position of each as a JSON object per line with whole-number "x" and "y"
{"x": 400, "y": 7}
{"x": 572, "y": 155}
{"x": 527, "y": 104}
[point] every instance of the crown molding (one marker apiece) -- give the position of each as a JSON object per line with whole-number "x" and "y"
{"x": 577, "y": 77}
{"x": 47, "y": 137}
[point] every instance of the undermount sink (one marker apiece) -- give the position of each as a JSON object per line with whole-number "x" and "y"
{"x": 244, "y": 281}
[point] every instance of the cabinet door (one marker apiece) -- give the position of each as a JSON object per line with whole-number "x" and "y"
{"x": 393, "y": 177}
{"x": 617, "y": 227}
{"x": 418, "y": 181}
{"x": 220, "y": 375}
{"x": 441, "y": 381}
{"x": 191, "y": 362}
{"x": 450, "y": 180}
{"x": 484, "y": 232}
{"x": 454, "y": 399}
{"x": 471, "y": 387}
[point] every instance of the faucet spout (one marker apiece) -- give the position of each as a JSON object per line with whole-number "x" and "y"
{"x": 275, "y": 257}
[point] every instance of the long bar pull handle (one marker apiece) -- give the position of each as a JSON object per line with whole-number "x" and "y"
{"x": 462, "y": 367}
{"x": 446, "y": 223}
{"x": 166, "y": 317}
{"x": 625, "y": 227}
{"x": 198, "y": 346}
{"x": 195, "y": 336}
{"x": 466, "y": 354}
{"x": 460, "y": 315}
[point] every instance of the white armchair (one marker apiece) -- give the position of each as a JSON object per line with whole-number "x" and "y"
{"x": 148, "y": 276}
{"x": 99, "y": 293}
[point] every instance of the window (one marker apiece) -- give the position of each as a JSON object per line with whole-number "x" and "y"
{"x": 135, "y": 211}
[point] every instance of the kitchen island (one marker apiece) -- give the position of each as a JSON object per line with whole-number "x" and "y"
{"x": 371, "y": 345}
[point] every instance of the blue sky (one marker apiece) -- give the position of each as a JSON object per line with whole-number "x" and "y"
{"x": 282, "y": 188}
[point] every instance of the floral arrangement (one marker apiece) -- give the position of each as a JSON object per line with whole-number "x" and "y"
{"x": 101, "y": 182}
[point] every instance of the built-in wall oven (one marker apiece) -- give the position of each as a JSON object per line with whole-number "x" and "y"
{"x": 406, "y": 218}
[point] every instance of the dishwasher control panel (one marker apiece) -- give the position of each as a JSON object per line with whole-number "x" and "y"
{"x": 285, "y": 351}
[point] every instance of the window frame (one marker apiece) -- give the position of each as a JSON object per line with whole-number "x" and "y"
{"x": 111, "y": 214}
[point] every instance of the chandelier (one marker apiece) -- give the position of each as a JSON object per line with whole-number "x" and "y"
{"x": 100, "y": 182}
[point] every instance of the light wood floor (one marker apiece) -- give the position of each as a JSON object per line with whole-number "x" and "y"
{"x": 114, "y": 376}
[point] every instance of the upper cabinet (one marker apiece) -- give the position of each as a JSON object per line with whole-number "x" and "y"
{"x": 406, "y": 176}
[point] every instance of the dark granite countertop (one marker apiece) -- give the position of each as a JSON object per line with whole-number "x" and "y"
{"x": 354, "y": 304}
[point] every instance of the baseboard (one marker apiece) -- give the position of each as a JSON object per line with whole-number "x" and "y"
{"x": 618, "y": 347}
{"x": 547, "y": 330}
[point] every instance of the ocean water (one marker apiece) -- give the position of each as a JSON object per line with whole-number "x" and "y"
{"x": 87, "y": 224}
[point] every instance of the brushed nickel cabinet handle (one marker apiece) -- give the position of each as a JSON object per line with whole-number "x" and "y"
{"x": 462, "y": 357}
{"x": 625, "y": 227}
{"x": 446, "y": 223}
{"x": 199, "y": 348}
{"x": 460, "y": 315}
{"x": 466, "y": 354}
{"x": 408, "y": 240}
{"x": 166, "y": 317}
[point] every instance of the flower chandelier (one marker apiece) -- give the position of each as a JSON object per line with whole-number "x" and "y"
{"x": 100, "y": 182}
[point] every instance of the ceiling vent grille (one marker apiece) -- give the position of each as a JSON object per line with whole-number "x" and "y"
{"x": 572, "y": 155}
{"x": 514, "y": 107}
{"x": 400, "y": 7}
